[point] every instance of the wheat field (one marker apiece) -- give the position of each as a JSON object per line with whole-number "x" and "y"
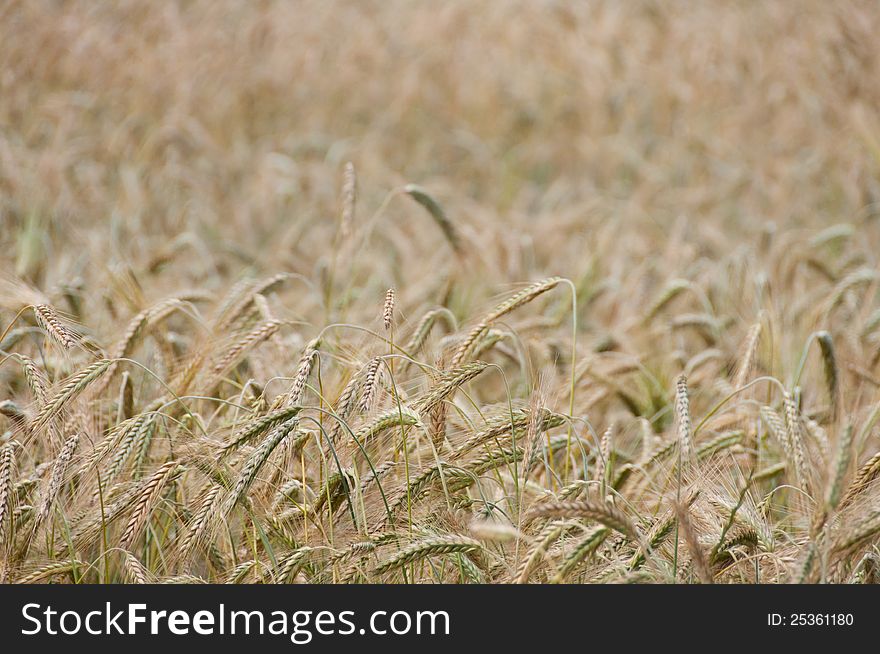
{"x": 462, "y": 292}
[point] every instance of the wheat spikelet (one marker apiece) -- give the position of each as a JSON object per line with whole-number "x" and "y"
{"x": 396, "y": 417}
{"x": 50, "y": 570}
{"x": 741, "y": 537}
{"x": 388, "y": 308}
{"x": 866, "y": 474}
{"x": 770, "y": 472}
{"x": 293, "y": 491}
{"x": 470, "y": 572}
{"x": 126, "y": 397}
{"x": 421, "y": 484}
{"x": 517, "y": 423}
{"x": 433, "y": 546}
{"x": 241, "y": 298}
{"x": 241, "y": 571}
{"x": 201, "y": 519}
{"x": 354, "y": 551}
{"x": 581, "y": 551}
{"x": 21, "y": 516}
{"x": 183, "y": 579}
{"x": 776, "y": 427}
{"x": 377, "y": 473}
{"x": 120, "y": 434}
{"x": 533, "y": 432}
{"x": 141, "y": 430}
{"x": 303, "y": 370}
{"x": 137, "y": 326}
{"x": 853, "y": 279}
{"x": 457, "y": 479}
{"x": 844, "y": 448}
{"x": 659, "y": 532}
{"x": 7, "y": 461}
{"x": 671, "y": 291}
{"x": 803, "y": 572}
{"x": 254, "y": 462}
{"x": 601, "y": 512}
{"x": 683, "y": 412}
{"x": 573, "y": 490}
{"x": 494, "y": 531}
{"x": 145, "y": 501}
{"x": 718, "y": 444}
{"x": 368, "y": 389}
{"x": 511, "y": 304}
{"x": 89, "y": 528}
{"x": 656, "y": 536}
{"x": 423, "y": 329}
{"x": 35, "y": 378}
{"x": 55, "y": 328}
{"x": 260, "y": 426}
{"x": 59, "y": 469}
{"x": 236, "y": 293}
{"x": 447, "y": 383}
{"x": 142, "y": 443}
{"x": 858, "y": 533}
{"x": 345, "y": 405}
{"x": 698, "y": 557}
{"x": 263, "y": 308}
{"x": 795, "y": 439}
{"x": 135, "y": 570}
{"x": 290, "y": 565}
{"x": 424, "y": 198}
{"x": 829, "y": 365}
{"x": 71, "y": 388}
{"x": 750, "y": 351}
{"x": 437, "y": 425}
{"x": 253, "y": 338}
{"x": 535, "y": 555}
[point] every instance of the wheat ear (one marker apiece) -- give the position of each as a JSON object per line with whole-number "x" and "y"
{"x": 55, "y": 328}
{"x": 145, "y": 501}
{"x": 429, "y": 547}
{"x": 59, "y": 469}
{"x": 511, "y": 304}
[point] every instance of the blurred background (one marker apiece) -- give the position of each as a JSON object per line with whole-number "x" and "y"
{"x": 195, "y": 141}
